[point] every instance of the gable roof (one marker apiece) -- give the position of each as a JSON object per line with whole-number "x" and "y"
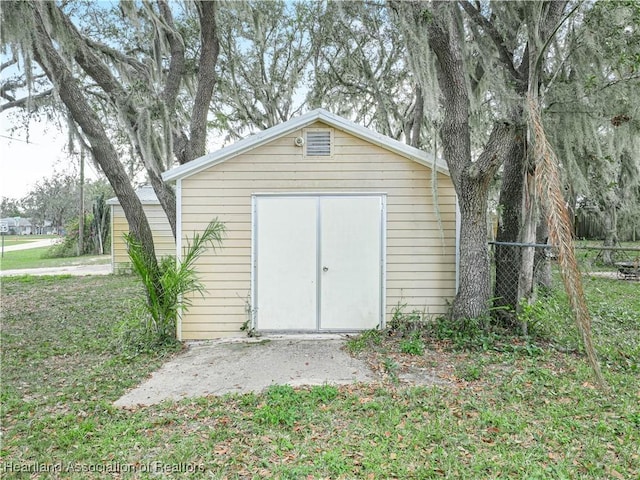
{"x": 297, "y": 123}
{"x": 16, "y": 222}
{"x": 145, "y": 193}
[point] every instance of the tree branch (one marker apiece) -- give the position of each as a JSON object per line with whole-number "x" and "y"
{"x": 21, "y": 102}
{"x": 505, "y": 56}
{"x": 455, "y": 97}
{"x": 177, "y": 62}
{"x": 12, "y": 61}
{"x": 495, "y": 151}
{"x": 140, "y": 68}
{"x": 14, "y": 85}
{"x": 210, "y": 48}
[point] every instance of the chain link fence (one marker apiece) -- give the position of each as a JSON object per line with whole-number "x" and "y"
{"x": 510, "y": 282}
{"x": 618, "y": 262}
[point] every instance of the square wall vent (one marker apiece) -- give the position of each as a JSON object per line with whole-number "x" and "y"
{"x": 318, "y": 143}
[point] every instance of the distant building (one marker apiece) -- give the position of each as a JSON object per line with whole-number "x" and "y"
{"x": 18, "y": 225}
{"x": 163, "y": 239}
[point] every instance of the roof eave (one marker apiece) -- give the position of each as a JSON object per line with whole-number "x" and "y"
{"x": 302, "y": 121}
{"x": 383, "y": 141}
{"x": 239, "y": 147}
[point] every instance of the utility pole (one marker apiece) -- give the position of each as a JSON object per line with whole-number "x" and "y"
{"x": 81, "y": 217}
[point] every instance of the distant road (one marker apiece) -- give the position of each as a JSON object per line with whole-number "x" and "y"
{"x": 47, "y": 242}
{"x": 75, "y": 270}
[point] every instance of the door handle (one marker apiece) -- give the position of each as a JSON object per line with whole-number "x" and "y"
{"x": 325, "y": 269}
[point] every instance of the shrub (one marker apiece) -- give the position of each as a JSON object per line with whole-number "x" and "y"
{"x": 403, "y": 323}
{"x": 168, "y": 283}
{"x": 68, "y": 247}
{"x": 95, "y": 239}
{"x": 413, "y": 345}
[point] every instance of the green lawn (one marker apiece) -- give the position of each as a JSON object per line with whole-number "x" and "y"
{"x": 506, "y": 407}
{"x": 35, "y": 258}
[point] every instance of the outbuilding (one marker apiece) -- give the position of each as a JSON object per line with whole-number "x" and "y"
{"x": 160, "y": 228}
{"x": 330, "y": 227}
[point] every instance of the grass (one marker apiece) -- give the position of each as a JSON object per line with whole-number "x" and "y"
{"x": 36, "y": 258}
{"x": 505, "y": 407}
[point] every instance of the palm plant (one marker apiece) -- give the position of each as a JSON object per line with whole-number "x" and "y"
{"x": 169, "y": 283}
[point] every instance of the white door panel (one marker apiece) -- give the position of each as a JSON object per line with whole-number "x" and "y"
{"x": 318, "y": 262}
{"x": 286, "y": 271}
{"x": 350, "y": 247}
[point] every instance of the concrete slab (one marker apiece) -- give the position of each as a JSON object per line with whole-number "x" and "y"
{"x": 249, "y": 365}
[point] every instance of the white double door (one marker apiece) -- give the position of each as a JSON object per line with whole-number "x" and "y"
{"x": 318, "y": 262}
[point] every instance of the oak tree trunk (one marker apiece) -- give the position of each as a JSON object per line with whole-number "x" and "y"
{"x": 508, "y": 258}
{"x": 474, "y": 289}
{"x": 543, "y": 257}
{"x": 471, "y": 179}
{"x": 82, "y": 113}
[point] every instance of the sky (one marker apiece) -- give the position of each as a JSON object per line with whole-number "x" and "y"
{"x": 23, "y": 164}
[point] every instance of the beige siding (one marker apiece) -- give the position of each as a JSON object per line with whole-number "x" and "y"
{"x": 119, "y": 226}
{"x": 162, "y": 236}
{"x": 420, "y": 268}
